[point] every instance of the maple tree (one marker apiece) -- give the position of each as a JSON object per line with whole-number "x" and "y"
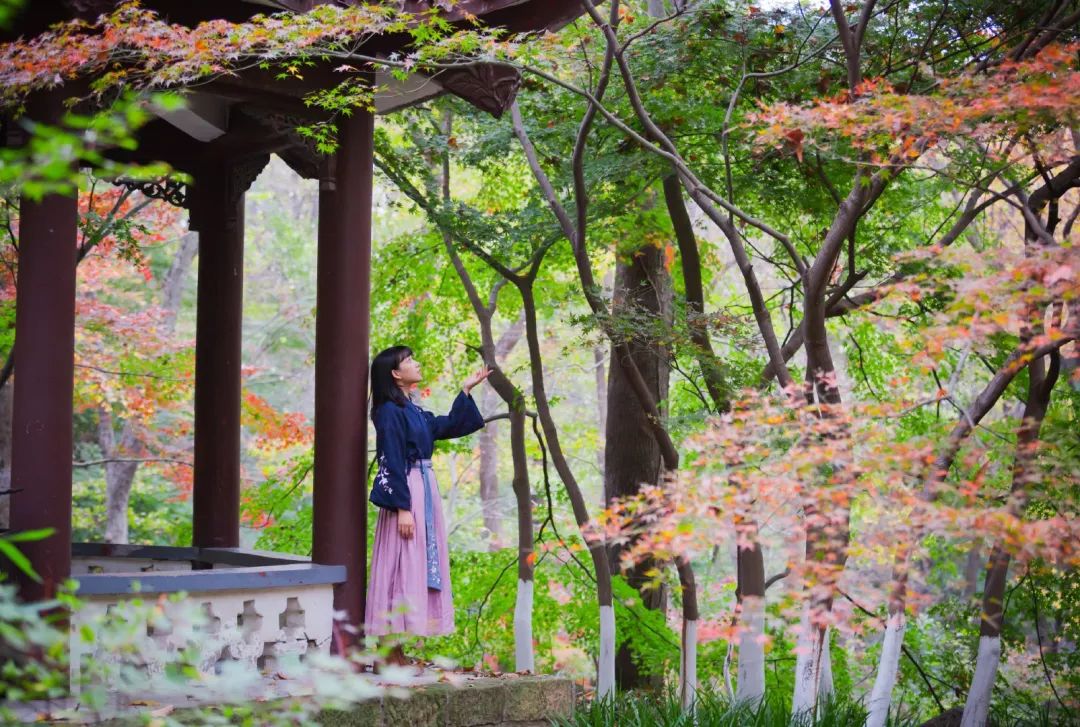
{"x": 892, "y": 188}
{"x": 881, "y": 137}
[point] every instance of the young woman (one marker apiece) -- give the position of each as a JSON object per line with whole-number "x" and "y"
{"x": 409, "y": 585}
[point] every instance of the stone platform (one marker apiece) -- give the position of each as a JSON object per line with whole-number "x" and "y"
{"x": 470, "y": 701}
{"x": 507, "y": 701}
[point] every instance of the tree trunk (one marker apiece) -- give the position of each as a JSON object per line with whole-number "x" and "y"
{"x": 488, "y": 443}
{"x": 605, "y": 682}
{"x": 575, "y": 233}
{"x": 750, "y": 592}
{"x": 973, "y": 565}
{"x": 810, "y": 664}
{"x": 688, "y": 680}
{"x": 631, "y": 454}
{"x": 934, "y": 475}
{"x": 750, "y": 562}
{"x": 1040, "y": 385}
{"x": 119, "y": 476}
{"x": 172, "y": 287}
{"x": 696, "y": 322}
{"x": 825, "y": 680}
{"x": 750, "y": 687}
{"x": 827, "y": 538}
{"x": 977, "y": 705}
{"x": 524, "y": 659}
{"x": 1041, "y": 380}
{"x": 523, "y": 606}
{"x": 600, "y": 373}
{"x": 889, "y": 662}
{"x": 489, "y": 447}
{"x": 827, "y": 530}
{"x": 827, "y": 527}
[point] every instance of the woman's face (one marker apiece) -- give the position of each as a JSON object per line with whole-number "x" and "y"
{"x": 407, "y": 373}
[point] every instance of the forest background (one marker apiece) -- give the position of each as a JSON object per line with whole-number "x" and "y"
{"x": 873, "y": 204}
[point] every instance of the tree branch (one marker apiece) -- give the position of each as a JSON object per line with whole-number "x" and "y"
{"x": 108, "y": 460}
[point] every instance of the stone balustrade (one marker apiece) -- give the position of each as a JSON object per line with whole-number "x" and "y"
{"x": 257, "y": 607}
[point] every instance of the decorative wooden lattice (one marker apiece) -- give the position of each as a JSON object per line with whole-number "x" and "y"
{"x": 171, "y": 190}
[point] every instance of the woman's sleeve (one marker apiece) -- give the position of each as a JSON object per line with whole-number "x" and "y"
{"x": 464, "y": 418}
{"x": 390, "y": 489}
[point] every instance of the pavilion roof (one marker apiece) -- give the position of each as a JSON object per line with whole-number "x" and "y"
{"x": 514, "y": 15}
{"x": 256, "y": 112}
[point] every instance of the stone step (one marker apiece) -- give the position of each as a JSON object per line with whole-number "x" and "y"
{"x": 522, "y": 701}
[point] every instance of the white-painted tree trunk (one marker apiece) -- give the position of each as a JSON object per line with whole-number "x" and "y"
{"x": 825, "y": 682}
{"x": 807, "y": 665}
{"x": 888, "y": 665}
{"x": 688, "y": 679}
{"x": 751, "y": 679}
{"x": 523, "y": 633}
{"x": 605, "y": 677}
{"x": 977, "y": 707}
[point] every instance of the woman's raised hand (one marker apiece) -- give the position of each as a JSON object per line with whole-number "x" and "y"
{"x": 481, "y": 373}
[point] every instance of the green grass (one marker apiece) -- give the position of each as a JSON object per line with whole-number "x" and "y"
{"x": 642, "y": 709}
{"x": 663, "y": 710}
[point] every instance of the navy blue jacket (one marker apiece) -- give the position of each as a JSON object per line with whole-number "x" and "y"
{"x": 406, "y": 434}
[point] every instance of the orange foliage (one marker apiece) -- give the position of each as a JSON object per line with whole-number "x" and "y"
{"x": 274, "y": 430}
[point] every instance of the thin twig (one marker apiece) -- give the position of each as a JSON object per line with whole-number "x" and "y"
{"x": 1042, "y": 656}
{"x": 776, "y": 577}
{"x": 907, "y": 652}
{"x": 99, "y": 462}
{"x": 130, "y": 373}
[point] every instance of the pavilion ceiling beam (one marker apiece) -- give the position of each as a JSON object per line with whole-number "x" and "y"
{"x": 266, "y": 99}
{"x": 202, "y": 117}
{"x": 160, "y": 141}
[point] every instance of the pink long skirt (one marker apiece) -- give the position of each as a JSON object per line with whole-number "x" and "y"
{"x": 398, "y": 599}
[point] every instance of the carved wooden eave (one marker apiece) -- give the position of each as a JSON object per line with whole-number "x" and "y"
{"x": 487, "y": 86}
{"x": 300, "y": 154}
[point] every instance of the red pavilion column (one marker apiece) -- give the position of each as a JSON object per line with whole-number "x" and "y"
{"x": 41, "y": 427}
{"x": 341, "y": 363}
{"x": 218, "y": 215}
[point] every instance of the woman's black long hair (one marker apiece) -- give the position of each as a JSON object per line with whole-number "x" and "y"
{"x": 383, "y": 386}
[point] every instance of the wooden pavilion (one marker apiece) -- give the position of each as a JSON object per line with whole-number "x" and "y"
{"x": 223, "y": 139}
